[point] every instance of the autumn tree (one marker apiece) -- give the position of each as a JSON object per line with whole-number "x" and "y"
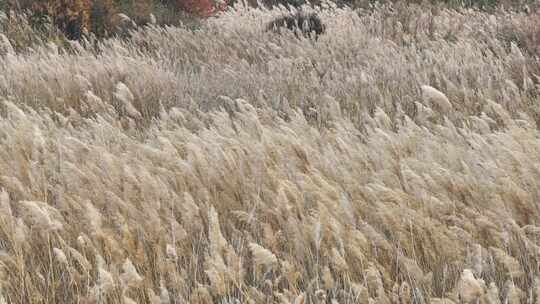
{"x": 77, "y": 17}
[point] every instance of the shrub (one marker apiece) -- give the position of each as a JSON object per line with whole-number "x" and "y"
{"x": 75, "y": 18}
{"x": 101, "y": 13}
{"x": 23, "y": 32}
{"x": 71, "y": 16}
{"x": 300, "y": 23}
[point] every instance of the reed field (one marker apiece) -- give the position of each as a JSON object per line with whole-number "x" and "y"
{"x": 393, "y": 160}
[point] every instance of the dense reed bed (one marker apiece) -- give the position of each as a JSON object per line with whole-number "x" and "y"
{"x": 395, "y": 159}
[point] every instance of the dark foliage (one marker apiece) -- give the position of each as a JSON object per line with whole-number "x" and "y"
{"x": 286, "y": 3}
{"x": 299, "y": 3}
{"x": 300, "y": 23}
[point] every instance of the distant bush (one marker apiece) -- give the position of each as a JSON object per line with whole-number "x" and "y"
{"x": 72, "y": 17}
{"x": 101, "y": 17}
{"x": 23, "y": 31}
{"x": 77, "y": 17}
{"x": 300, "y": 23}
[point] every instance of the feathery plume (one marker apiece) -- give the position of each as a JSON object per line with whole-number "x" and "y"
{"x": 41, "y": 216}
{"x": 469, "y": 288}
{"x": 60, "y": 256}
{"x": 5, "y": 46}
{"x": 436, "y": 98}
{"x": 262, "y": 256}
{"x": 130, "y": 276}
{"x": 124, "y": 95}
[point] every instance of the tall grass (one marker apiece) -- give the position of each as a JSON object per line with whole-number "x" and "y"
{"x": 395, "y": 159}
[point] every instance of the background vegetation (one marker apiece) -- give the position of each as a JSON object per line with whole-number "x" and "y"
{"x": 77, "y": 18}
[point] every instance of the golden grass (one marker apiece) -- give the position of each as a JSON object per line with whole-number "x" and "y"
{"x": 383, "y": 163}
